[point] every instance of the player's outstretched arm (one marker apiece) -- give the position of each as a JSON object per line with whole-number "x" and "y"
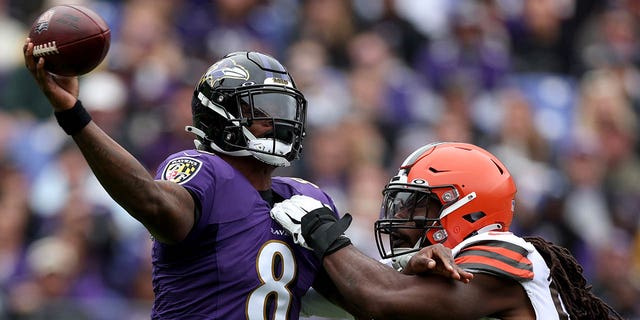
{"x": 375, "y": 290}
{"x": 291, "y": 214}
{"x": 165, "y": 208}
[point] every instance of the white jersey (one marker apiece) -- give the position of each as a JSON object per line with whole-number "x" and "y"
{"x": 506, "y": 255}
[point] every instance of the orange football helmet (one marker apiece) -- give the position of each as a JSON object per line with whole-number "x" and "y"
{"x": 444, "y": 193}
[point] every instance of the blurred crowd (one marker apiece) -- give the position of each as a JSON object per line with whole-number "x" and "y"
{"x": 552, "y": 87}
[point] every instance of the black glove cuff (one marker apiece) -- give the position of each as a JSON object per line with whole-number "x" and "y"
{"x": 73, "y": 120}
{"x": 325, "y": 234}
{"x": 338, "y": 244}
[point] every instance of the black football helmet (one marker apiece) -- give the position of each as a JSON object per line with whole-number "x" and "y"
{"x": 236, "y": 91}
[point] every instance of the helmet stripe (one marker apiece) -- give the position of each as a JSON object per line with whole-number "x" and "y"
{"x": 267, "y": 65}
{"x": 458, "y": 204}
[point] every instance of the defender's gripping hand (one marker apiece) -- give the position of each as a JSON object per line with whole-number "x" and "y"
{"x": 434, "y": 259}
{"x": 312, "y": 224}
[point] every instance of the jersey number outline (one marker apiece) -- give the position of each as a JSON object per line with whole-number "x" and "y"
{"x": 274, "y": 286}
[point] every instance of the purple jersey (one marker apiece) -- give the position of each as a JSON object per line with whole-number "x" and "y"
{"x": 236, "y": 263}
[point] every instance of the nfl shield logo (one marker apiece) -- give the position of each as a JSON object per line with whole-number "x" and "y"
{"x": 42, "y": 24}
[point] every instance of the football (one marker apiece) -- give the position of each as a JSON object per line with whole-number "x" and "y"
{"x": 72, "y": 39}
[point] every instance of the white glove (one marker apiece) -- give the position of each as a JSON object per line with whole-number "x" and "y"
{"x": 289, "y": 213}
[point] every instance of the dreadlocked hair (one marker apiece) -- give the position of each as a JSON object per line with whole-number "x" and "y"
{"x": 576, "y": 294}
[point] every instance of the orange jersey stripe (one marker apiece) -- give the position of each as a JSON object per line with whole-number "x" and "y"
{"x": 502, "y": 251}
{"x": 490, "y": 265}
{"x": 498, "y": 258}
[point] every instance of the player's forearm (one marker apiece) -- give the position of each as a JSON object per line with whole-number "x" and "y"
{"x": 361, "y": 280}
{"x": 123, "y": 177}
{"x": 377, "y": 291}
{"x": 166, "y": 209}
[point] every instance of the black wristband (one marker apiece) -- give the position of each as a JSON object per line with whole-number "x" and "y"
{"x": 73, "y": 120}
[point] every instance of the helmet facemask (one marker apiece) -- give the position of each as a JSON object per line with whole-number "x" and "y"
{"x": 409, "y": 218}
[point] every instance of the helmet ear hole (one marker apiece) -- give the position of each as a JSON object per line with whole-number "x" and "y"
{"x": 233, "y": 138}
{"x": 474, "y": 216}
